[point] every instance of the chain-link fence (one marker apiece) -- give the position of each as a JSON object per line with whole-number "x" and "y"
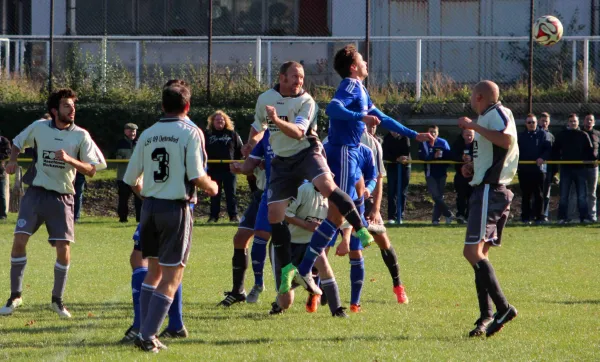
{"x": 419, "y": 50}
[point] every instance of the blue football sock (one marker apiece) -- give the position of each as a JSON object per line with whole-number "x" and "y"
{"x": 357, "y": 277}
{"x": 320, "y": 238}
{"x": 176, "y": 312}
{"x": 259, "y": 256}
{"x": 137, "y": 278}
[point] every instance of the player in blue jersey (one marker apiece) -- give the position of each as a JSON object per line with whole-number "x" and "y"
{"x": 253, "y": 223}
{"x": 349, "y": 111}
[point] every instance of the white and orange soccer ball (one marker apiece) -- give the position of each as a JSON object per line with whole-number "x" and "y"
{"x": 547, "y": 30}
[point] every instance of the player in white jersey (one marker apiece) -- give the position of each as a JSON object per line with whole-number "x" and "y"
{"x": 304, "y": 215}
{"x": 60, "y": 150}
{"x": 170, "y": 160}
{"x": 495, "y": 160}
{"x": 290, "y": 115}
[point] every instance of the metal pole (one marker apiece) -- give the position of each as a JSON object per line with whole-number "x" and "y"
{"x": 419, "y": 71}
{"x": 137, "y": 65}
{"x": 258, "y": 66}
{"x": 399, "y": 195}
{"x": 104, "y": 50}
{"x": 586, "y": 69}
{"x": 367, "y": 34}
{"x": 22, "y": 59}
{"x": 17, "y": 53}
{"x": 7, "y": 59}
{"x": 530, "y": 83}
{"x": 269, "y": 63}
{"x": 574, "y": 66}
{"x": 51, "y": 47}
{"x": 210, "y": 36}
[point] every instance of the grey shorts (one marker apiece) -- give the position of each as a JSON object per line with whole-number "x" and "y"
{"x": 489, "y": 207}
{"x": 249, "y": 218}
{"x": 166, "y": 229}
{"x": 40, "y": 206}
{"x": 288, "y": 173}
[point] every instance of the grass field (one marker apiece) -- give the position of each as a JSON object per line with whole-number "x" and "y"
{"x": 550, "y": 274}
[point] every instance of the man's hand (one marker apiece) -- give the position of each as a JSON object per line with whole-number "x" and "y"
{"x": 246, "y": 149}
{"x": 342, "y": 249}
{"x": 367, "y": 193}
{"x": 61, "y": 155}
{"x": 465, "y": 123}
{"x": 271, "y": 112}
{"x": 371, "y": 120}
{"x": 11, "y": 167}
{"x": 467, "y": 170}
{"x": 467, "y": 158}
{"x": 424, "y": 137}
{"x": 540, "y": 162}
{"x": 374, "y": 217}
{"x": 235, "y": 167}
{"x": 438, "y": 154}
{"x": 402, "y": 159}
{"x": 312, "y": 226}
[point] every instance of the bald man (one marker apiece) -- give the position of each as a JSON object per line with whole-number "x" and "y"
{"x": 495, "y": 160}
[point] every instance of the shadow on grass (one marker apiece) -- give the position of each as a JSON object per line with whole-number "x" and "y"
{"x": 575, "y": 302}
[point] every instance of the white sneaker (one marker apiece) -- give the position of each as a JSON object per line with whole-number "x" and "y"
{"x": 60, "y": 309}
{"x": 254, "y": 293}
{"x": 10, "y": 306}
{"x": 391, "y": 222}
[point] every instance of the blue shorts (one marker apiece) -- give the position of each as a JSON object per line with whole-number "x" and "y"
{"x": 248, "y": 220}
{"x": 343, "y": 162}
{"x": 137, "y": 243}
{"x": 262, "y": 217}
{"x": 355, "y": 243}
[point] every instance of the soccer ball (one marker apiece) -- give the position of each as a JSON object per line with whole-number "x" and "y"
{"x": 547, "y": 30}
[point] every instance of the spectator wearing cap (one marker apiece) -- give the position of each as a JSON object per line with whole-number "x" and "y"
{"x": 534, "y": 145}
{"x": 125, "y": 148}
{"x": 4, "y": 183}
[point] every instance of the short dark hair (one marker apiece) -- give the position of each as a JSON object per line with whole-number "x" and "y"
{"x": 434, "y": 126}
{"x": 589, "y": 114}
{"x": 175, "y": 98}
{"x": 55, "y": 97}
{"x": 545, "y": 114}
{"x": 573, "y": 115}
{"x": 287, "y": 65}
{"x": 176, "y": 82}
{"x": 344, "y": 58}
{"x": 531, "y": 115}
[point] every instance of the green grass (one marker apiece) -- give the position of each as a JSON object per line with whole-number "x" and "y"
{"x": 549, "y": 274}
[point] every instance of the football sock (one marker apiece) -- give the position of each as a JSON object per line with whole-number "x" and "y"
{"x": 357, "y": 277}
{"x": 17, "y": 270}
{"x": 391, "y": 261}
{"x": 346, "y": 207}
{"x": 330, "y": 289}
{"x": 259, "y": 256}
{"x": 485, "y": 302}
{"x": 157, "y": 311}
{"x": 490, "y": 282}
{"x": 320, "y": 238}
{"x": 60, "y": 279}
{"x": 239, "y": 264}
{"x": 137, "y": 278}
{"x": 145, "y": 296}
{"x": 281, "y": 240}
{"x": 176, "y": 312}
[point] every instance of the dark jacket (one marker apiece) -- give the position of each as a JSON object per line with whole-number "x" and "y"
{"x": 459, "y": 148}
{"x": 394, "y": 147}
{"x": 427, "y": 153}
{"x": 124, "y": 151}
{"x": 595, "y": 138}
{"x": 223, "y": 145}
{"x": 572, "y": 145}
{"x": 4, "y": 153}
{"x": 534, "y": 145}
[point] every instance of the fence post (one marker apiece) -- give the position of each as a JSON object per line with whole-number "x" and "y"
{"x": 269, "y": 63}
{"x": 22, "y": 59}
{"x": 137, "y": 65}
{"x": 258, "y": 65}
{"x": 104, "y": 65}
{"x": 418, "y": 75}
{"x": 48, "y": 57}
{"x": 7, "y": 58}
{"x": 586, "y": 69}
{"x": 17, "y": 54}
{"x": 574, "y": 66}
{"x": 399, "y": 195}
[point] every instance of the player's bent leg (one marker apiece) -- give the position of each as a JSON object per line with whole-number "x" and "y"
{"x": 175, "y": 328}
{"x": 281, "y": 240}
{"x": 258, "y": 255}
{"x": 239, "y": 265}
{"x": 18, "y": 261}
{"x": 329, "y": 286}
{"x": 61, "y": 268}
{"x": 388, "y": 254}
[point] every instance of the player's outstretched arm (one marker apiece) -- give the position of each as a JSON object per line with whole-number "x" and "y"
{"x": 391, "y": 124}
{"x": 336, "y": 109}
{"x": 247, "y": 167}
{"x": 11, "y": 166}
{"x": 207, "y": 184}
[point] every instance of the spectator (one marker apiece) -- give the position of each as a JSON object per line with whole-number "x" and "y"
{"x": 396, "y": 148}
{"x": 592, "y": 170}
{"x": 222, "y": 143}
{"x": 551, "y": 170}
{"x": 572, "y": 144}
{"x": 462, "y": 151}
{"x": 4, "y": 180}
{"x": 534, "y": 145}
{"x": 435, "y": 174}
{"x": 125, "y": 148}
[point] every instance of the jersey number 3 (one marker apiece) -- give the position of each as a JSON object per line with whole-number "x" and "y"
{"x": 161, "y": 156}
